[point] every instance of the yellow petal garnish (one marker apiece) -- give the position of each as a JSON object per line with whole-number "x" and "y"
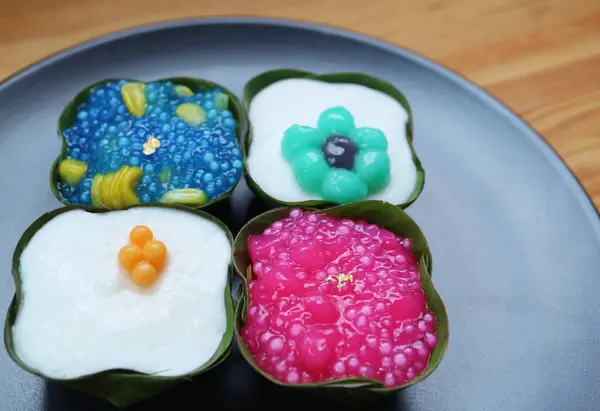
{"x": 116, "y": 190}
{"x": 189, "y": 196}
{"x": 191, "y": 113}
{"x": 342, "y": 278}
{"x": 134, "y": 97}
{"x": 183, "y": 91}
{"x": 71, "y": 171}
{"x": 150, "y": 145}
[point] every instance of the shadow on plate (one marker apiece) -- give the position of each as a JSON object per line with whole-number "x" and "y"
{"x": 232, "y": 386}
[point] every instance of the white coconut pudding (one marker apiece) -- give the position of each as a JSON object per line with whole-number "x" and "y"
{"x": 340, "y": 142}
{"x": 92, "y": 301}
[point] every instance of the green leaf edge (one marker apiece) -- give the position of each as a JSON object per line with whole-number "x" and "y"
{"x": 377, "y": 212}
{"x": 67, "y": 119}
{"x": 265, "y": 79}
{"x": 118, "y": 375}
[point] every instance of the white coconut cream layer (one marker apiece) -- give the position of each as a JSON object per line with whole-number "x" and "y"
{"x": 301, "y": 101}
{"x": 80, "y": 314}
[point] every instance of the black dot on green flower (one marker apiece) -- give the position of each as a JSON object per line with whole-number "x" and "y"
{"x": 339, "y": 152}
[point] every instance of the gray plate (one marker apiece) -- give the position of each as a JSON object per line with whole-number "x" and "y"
{"x": 515, "y": 239}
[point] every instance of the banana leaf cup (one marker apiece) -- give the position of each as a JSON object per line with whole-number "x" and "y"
{"x": 386, "y": 216}
{"x": 121, "y": 387}
{"x": 257, "y": 84}
{"x": 117, "y": 196}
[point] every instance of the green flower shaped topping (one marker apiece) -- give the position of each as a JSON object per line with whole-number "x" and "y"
{"x": 340, "y": 162}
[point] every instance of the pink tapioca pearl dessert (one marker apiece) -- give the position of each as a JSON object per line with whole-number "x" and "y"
{"x": 334, "y": 298}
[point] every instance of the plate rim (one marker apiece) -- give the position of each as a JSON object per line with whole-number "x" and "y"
{"x": 555, "y": 160}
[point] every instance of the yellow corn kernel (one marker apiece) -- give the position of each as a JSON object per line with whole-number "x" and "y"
{"x": 71, "y": 171}
{"x": 134, "y": 97}
{"x": 191, "y": 113}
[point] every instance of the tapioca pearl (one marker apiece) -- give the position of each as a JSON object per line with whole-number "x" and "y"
{"x": 276, "y": 345}
{"x": 333, "y": 270}
{"x": 372, "y": 341}
{"x": 400, "y": 259}
{"x": 366, "y": 310}
{"x": 309, "y": 230}
{"x": 424, "y": 326}
{"x": 293, "y": 377}
{"x": 366, "y": 371}
{"x": 389, "y": 379}
{"x": 291, "y": 359}
{"x": 295, "y": 241}
{"x": 415, "y": 285}
{"x": 353, "y": 362}
{"x": 276, "y": 226}
{"x": 431, "y": 340}
{"x": 390, "y": 281}
{"x": 338, "y": 368}
{"x": 409, "y": 329}
{"x": 302, "y": 276}
{"x": 386, "y": 322}
{"x": 382, "y": 274}
{"x": 407, "y": 243}
{"x": 314, "y": 350}
{"x": 385, "y": 347}
{"x": 409, "y": 352}
{"x": 350, "y": 313}
{"x": 265, "y": 337}
{"x": 372, "y": 230}
{"x": 400, "y": 360}
{"x": 295, "y": 213}
{"x": 366, "y": 260}
{"x": 283, "y": 256}
{"x": 380, "y": 307}
{"x": 343, "y": 230}
{"x": 295, "y": 329}
{"x": 421, "y": 349}
{"x": 257, "y": 268}
{"x": 386, "y": 362}
{"x": 418, "y": 366}
{"x": 281, "y": 367}
{"x": 310, "y": 285}
{"x": 410, "y": 373}
{"x": 371, "y": 278}
{"x": 268, "y": 231}
{"x": 306, "y": 377}
{"x": 253, "y": 311}
{"x": 320, "y": 275}
{"x": 312, "y": 218}
{"x": 359, "y": 249}
{"x": 385, "y": 333}
{"x": 361, "y": 322}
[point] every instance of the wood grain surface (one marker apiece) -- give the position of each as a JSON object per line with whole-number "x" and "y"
{"x": 540, "y": 57}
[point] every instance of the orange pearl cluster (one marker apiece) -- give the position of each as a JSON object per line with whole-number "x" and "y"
{"x": 144, "y": 257}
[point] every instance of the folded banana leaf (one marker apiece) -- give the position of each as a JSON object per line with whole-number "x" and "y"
{"x": 384, "y": 215}
{"x": 263, "y": 80}
{"x": 118, "y": 386}
{"x": 195, "y": 85}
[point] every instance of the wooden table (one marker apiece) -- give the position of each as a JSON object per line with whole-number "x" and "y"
{"x": 541, "y": 57}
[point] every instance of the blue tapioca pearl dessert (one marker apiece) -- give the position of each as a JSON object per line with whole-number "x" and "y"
{"x": 129, "y": 142}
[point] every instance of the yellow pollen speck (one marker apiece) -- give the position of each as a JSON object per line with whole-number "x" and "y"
{"x": 150, "y": 145}
{"x": 342, "y": 278}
